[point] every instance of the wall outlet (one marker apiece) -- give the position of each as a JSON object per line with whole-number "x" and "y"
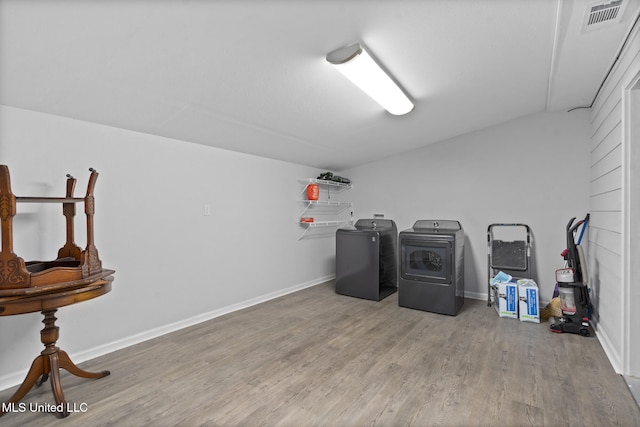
{"x": 207, "y": 209}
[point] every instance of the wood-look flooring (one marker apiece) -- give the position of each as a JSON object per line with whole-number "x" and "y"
{"x": 314, "y": 358}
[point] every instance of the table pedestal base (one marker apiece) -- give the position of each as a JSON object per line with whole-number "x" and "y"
{"x": 48, "y": 365}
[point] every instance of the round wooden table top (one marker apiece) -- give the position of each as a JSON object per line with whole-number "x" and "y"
{"x": 33, "y": 301}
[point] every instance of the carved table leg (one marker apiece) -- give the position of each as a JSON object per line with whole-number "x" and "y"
{"x": 66, "y": 363}
{"x": 37, "y": 370}
{"x": 48, "y": 365}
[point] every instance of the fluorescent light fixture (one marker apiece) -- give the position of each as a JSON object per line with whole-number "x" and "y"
{"x": 358, "y": 66}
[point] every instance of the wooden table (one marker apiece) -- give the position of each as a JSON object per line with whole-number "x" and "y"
{"x": 76, "y": 275}
{"x": 48, "y": 364}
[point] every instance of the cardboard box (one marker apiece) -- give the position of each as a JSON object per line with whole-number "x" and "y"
{"x": 528, "y": 301}
{"x": 505, "y": 296}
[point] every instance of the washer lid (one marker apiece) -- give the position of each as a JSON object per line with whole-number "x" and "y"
{"x": 437, "y": 225}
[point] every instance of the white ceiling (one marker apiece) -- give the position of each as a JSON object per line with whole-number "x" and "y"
{"x": 250, "y": 76}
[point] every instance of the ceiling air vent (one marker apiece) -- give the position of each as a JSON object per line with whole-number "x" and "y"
{"x": 602, "y": 14}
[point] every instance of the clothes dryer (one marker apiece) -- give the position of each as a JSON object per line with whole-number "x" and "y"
{"x": 432, "y": 267}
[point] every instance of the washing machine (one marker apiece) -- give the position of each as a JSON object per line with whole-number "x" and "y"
{"x": 432, "y": 266}
{"x": 366, "y": 259}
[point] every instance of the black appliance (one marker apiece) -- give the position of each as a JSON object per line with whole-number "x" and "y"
{"x": 432, "y": 267}
{"x": 366, "y": 259}
{"x": 574, "y": 296}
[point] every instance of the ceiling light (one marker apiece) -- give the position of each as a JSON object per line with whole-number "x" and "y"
{"x": 358, "y": 66}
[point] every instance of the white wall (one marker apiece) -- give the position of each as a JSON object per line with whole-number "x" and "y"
{"x": 532, "y": 170}
{"x": 610, "y": 219}
{"x": 631, "y": 320}
{"x": 174, "y": 266}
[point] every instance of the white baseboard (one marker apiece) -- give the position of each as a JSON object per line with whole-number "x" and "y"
{"x": 475, "y": 295}
{"x": 610, "y": 351}
{"x": 11, "y": 380}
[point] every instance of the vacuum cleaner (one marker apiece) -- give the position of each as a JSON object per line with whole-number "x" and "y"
{"x": 572, "y": 286}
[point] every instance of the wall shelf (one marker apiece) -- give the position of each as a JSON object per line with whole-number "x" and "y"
{"x": 340, "y": 186}
{"x": 311, "y": 225}
{"x": 324, "y": 211}
{"x": 323, "y": 206}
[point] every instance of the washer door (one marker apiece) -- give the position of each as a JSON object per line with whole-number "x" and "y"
{"x": 426, "y": 261}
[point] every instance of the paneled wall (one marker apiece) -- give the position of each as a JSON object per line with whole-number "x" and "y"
{"x": 607, "y": 204}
